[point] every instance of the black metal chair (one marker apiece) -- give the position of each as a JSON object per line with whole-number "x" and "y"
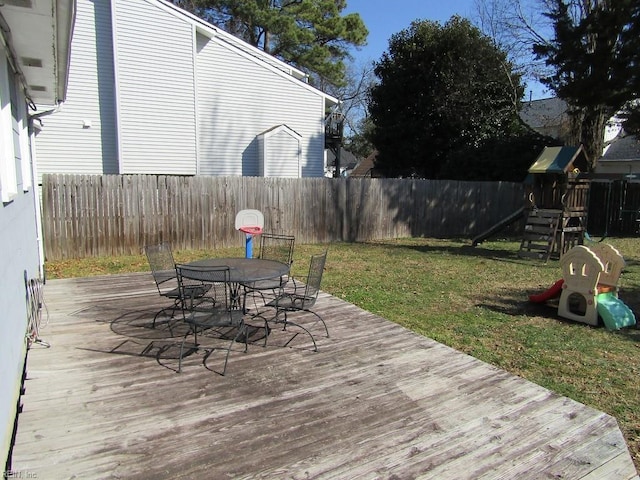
{"x": 211, "y": 313}
{"x": 272, "y": 247}
{"x": 163, "y": 269}
{"x": 302, "y": 297}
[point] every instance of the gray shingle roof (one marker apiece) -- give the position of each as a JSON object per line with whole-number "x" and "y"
{"x": 623, "y": 147}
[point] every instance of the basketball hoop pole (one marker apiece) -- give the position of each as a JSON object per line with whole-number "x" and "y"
{"x": 248, "y": 245}
{"x": 249, "y": 233}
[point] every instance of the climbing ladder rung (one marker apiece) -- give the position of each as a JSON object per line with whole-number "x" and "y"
{"x": 539, "y": 238}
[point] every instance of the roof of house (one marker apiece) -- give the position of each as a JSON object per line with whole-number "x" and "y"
{"x": 40, "y": 45}
{"x": 364, "y": 168}
{"x": 258, "y": 55}
{"x": 347, "y": 159}
{"x": 623, "y": 147}
{"x": 281, "y": 127}
{"x": 545, "y": 112}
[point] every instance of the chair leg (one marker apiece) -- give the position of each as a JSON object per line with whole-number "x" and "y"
{"x": 242, "y": 330}
{"x": 176, "y": 306}
{"x": 286, "y": 322}
{"x": 180, "y": 354}
{"x": 193, "y": 330}
{"x": 321, "y": 319}
{"x": 315, "y": 347}
{"x": 266, "y": 327}
{"x": 251, "y": 292}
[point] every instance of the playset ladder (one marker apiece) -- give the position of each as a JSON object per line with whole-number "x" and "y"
{"x": 541, "y": 233}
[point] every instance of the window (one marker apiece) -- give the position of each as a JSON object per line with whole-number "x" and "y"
{"x": 8, "y": 180}
{"x": 15, "y": 167}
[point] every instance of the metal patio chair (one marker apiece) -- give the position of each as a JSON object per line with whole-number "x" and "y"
{"x": 272, "y": 247}
{"x": 163, "y": 269}
{"x": 212, "y": 314}
{"x": 301, "y": 298}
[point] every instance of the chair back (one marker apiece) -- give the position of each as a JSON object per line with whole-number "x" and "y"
{"x": 316, "y": 268}
{"x": 162, "y": 264}
{"x": 204, "y": 288}
{"x": 277, "y": 247}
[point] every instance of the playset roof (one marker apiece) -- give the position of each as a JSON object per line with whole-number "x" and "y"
{"x": 560, "y": 160}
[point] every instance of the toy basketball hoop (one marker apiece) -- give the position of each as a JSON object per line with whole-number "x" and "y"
{"x": 251, "y": 230}
{"x": 249, "y": 222}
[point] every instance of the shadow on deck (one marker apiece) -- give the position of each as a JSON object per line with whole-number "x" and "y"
{"x": 376, "y": 401}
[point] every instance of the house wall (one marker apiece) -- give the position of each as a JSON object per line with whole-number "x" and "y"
{"x": 231, "y": 118}
{"x": 619, "y": 167}
{"x": 19, "y": 248}
{"x": 155, "y": 89}
{"x": 279, "y": 153}
{"x": 144, "y": 98}
{"x": 81, "y": 136}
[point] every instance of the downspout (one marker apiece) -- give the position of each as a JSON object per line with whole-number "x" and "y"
{"x": 37, "y": 191}
{"x": 31, "y": 119}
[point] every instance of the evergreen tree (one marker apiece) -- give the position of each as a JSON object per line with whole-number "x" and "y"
{"x": 309, "y": 34}
{"x": 441, "y": 89}
{"x": 595, "y": 54}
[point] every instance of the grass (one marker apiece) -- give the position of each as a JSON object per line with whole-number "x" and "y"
{"x": 476, "y": 301}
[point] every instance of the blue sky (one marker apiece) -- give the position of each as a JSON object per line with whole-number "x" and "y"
{"x": 383, "y": 18}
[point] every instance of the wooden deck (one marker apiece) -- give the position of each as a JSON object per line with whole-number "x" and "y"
{"x": 375, "y": 402}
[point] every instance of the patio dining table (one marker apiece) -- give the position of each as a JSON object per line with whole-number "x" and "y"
{"x": 244, "y": 271}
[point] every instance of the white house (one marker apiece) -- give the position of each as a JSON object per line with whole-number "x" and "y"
{"x": 621, "y": 157}
{"x": 35, "y": 38}
{"x": 156, "y": 90}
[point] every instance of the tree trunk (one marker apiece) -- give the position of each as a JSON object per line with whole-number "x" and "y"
{"x": 592, "y": 134}
{"x": 587, "y": 129}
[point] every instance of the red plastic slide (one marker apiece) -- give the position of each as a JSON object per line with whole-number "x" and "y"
{"x": 552, "y": 292}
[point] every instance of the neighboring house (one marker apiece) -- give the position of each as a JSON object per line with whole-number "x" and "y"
{"x": 547, "y": 116}
{"x": 35, "y": 48}
{"x": 621, "y": 154}
{"x": 156, "y": 90}
{"x": 348, "y": 161}
{"x": 366, "y": 167}
{"x": 621, "y": 157}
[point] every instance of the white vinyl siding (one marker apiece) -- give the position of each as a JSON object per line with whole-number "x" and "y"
{"x": 19, "y": 252}
{"x": 283, "y": 155}
{"x": 238, "y": 98}
{"x": 142, "y": 99}
{"x": 280, "y": 153}
{"x": 156, "y": 92}
{"x": 81, "y": 136}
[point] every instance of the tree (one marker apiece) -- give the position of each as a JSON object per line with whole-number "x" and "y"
{"x": 515, "y": 25}
{"x": 440, "y": 89}
{"x": 309, "y": 34}
{"x": 506, "y": 158}
{"x": 595, "y": 55}
{"x": 353, "y": 105}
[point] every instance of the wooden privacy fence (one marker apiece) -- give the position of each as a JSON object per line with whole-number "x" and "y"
{"x": 614, "y": 208}
{"x": 97, "y": 215}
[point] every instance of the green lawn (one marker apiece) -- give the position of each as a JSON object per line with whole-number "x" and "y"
{"x": 474, "y": 300}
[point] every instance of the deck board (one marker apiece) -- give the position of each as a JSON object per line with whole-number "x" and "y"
{"x": 375, "y": 402}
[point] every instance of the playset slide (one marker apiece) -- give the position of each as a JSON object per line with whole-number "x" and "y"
{"x": 505, "y": 222}
{"x": 614, "y": 312}
{"x": 553, "y": 292}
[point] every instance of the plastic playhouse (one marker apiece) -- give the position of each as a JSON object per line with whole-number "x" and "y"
{"x": 588, "y": 289}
